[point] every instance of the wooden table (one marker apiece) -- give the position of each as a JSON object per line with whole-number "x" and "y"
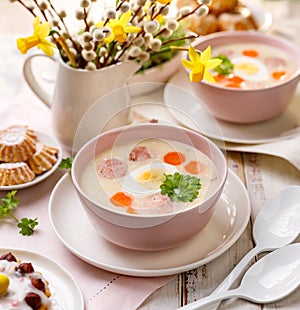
{"x": 263, "y": 175}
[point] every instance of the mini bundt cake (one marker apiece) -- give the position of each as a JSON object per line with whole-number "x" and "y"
{"x": 21, "y": 287}
{"x": 43, "y": 159}
{"x": 17, "y": 143}
{"x": 15, "y": 173}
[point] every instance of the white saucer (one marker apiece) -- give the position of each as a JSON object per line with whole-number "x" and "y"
{"x": 191, "y": 112}
{"x": 47, "y": 140}
{"x": 72, "y": 227}
{"x": 65, "y": 292}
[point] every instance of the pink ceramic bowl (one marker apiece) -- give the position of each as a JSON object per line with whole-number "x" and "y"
{"x": 254, "y": 105}
{"x": 156, "y": 231}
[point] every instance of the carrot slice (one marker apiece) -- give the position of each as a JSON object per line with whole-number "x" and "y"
{"x": 174, "y": 158}
{"x": 250, "y": 53}
{"x": 121, "y": 199}
{"x": 236, "y": 79}
{"x": 277, "y": 75}
{"x": 220, "y": 78}
{"x": 234, "y": 85}
{"x": 194, "y": 167}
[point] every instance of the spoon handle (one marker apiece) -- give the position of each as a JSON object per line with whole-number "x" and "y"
{"x": 208, "y": 300}
{"x": 237, "y": 270}
{"x": 233, "y": 276}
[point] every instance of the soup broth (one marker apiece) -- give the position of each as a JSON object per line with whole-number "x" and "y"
{"x": 127, "y": 177}
{"x": 255, "y": 66}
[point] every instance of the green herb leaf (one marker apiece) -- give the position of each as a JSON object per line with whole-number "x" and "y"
{"x": 226, "y": 66}
{"x": 27, "y": 226}
{"x": 66, "y": 163}
{"x": 9, "y": 203}
{"x": 180, "y": 187}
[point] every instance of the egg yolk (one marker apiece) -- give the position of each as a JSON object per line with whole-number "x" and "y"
{"x": 247, "y": 68}
{"x": 4, "y": 283}
{"x": 151, "y": 179}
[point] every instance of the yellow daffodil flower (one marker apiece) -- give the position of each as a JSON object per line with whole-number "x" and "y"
{"x": 119, "y": 28}
{"x": 40, "y": 32}
{"x": 200, "y": 65}
{"x": 164, "y": 1}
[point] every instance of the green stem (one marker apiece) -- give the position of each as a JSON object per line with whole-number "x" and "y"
{"x": 13, "y": 217}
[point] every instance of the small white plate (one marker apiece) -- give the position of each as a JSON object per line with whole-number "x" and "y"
{"x": 225, "y": 227}
{"x": 65, "y": 292}
{"x": 47, "y": 140}
{"x": 189, "y": 111}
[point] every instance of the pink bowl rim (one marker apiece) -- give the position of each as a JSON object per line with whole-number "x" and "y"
{"x": 154, "y": 216}
{"x": 250, "y": 34}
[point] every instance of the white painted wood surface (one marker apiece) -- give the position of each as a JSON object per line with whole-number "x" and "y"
{"x": 264, "y": 176}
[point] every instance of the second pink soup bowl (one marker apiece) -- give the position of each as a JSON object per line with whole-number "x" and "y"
{"x": 252, "y": 105}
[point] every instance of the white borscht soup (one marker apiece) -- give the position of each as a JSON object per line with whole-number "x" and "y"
{"x": 128, "y": 177}
{"x": 255, "y": 66}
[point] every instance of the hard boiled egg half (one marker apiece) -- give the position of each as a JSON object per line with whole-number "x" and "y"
{"x": 250, "y": 69}
{"x": 146, "y": 180}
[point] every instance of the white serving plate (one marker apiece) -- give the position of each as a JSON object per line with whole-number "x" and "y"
{"x": 225, "y": 227}
{"x": 189, "y": 111}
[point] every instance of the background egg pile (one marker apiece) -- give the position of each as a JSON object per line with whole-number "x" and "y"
{"x": 222, "y": 16}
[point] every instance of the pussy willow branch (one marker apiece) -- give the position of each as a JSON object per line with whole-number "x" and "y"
{"x": 190, "y": 13}
{"x": 193, "y": 36}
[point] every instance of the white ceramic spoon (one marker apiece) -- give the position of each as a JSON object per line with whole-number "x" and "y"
{"x": 272, "y": 278}
{"x": 276, "y": 225}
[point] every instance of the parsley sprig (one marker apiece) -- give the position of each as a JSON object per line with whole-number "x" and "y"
{"x": 9, "y": 203}
{"x": 226, "y": 67}
{"x": 66, "y": 163}
{"x": 180, "y": 187}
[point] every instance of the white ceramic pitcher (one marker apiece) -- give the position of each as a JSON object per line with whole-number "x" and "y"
{"x": 76, "y": 90}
